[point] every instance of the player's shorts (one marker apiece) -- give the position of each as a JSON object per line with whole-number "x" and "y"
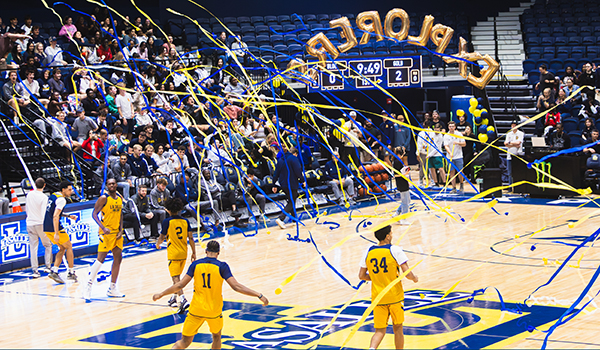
{"x": 176, "y": 267}
{"x": 109, "y": 242}
{"x": 63, "y": 237}
{"x": 193, "y": 323}
{"x": 436, "y": 162}
{"x": 382, "y": 313}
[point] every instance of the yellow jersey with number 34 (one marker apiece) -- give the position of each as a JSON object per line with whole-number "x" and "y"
{"x": 208, "y": 274}
{"x": 175, "y": 228}
{"x": 383, "y": 264}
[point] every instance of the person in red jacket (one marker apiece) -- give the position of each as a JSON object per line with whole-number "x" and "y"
{"x": 93, "y": 146}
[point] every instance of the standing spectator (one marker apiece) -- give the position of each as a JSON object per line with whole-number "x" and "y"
{"x": 514, "y": 144}
{"x": 158, "y": 196}
{"x": 436, "y": 120}
{"x": 547, "y": 80}
{"x": 141, "y": 201}
{"x": 543, "y": 104}
{"x": 122, "y": 172}
{"x": 13, "y": 26}
{"x": 288, "y": 172}
{"x": 124, "y": 104}
{"x": 337, "y": 176}
{"x": 434, "y": 156}
{"x": 463, "y": 123}
{"x": 402, "y": 186}
{"x": 387, "y": 129}
{"x": 27, "y": 27}
{"x": 91, "y": 104}
{"x": 68, "y": 29}
{"x": 36, "y": 209}
{"x": 454, "y": 145}
{"x": 468, "y": 151}
{"x": 402, "y": 138}
{"x": 422, "y": 150}
{"x": 83, "y": 125}
{"x": 587, "y": 78}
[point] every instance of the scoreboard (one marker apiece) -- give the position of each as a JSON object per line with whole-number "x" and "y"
{"x": 357, "y": 73}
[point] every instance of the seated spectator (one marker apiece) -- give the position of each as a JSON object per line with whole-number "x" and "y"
{"x": 54, "y": 56}
{"x": 551, "y": 119}
{"x": 139, "y": 167}
{"x": 27, "y": 27}
{"x": 7, "y": 43}
{"x": 140, "y": 140}
{"x": 570, "y": 74}
{"x": 33, "y": 88}
{"x": 586, "y": 133}
{"x": 93, "y": 146}
{"x": 104, "y": 121}
{"x": 558, "y": 139}
{"x": 158, "y": 197}
{"x": 162, "y": 159}
{"x": 253, "y": 195}
{"x": 68, "y": 29}
{"x": 56, "y": 83}
{"x": 142, "y": 203}
{"x": 91, "y": 104}
{"x": 83, "y": 124}
{"x": 14, "y": 92}
{"x": 590, "y": 108}
{"x": 122, "y": 172}
{"x": 15, "y": 57}
{"x": 564, "y": 106}
{"x": 150, "y": 163}
{"x": 104, "y": 52}
{"x": 594, "y": 146}
{"x": 44, "y": 86}
{"x": 338, "y": 177}
{"x": 570, "y": 88}
{"x": 234, "y": 88}
{"x": 178, "y": 161}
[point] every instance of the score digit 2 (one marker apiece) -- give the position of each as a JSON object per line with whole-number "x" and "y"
{"x": 398, "y": 77}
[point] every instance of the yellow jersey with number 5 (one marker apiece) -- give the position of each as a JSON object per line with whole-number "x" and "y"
{"x": 383, "y": 264}
{"x": 175, "y": 228}
{"x": 208, "y": 274}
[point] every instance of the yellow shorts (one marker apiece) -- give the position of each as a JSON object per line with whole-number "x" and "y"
{"x": 63, "y": 237}
{"x": 381, "y": 314}
{"x": 109, "y": 242}
{"x": 176, "y": 267}
{"x": 193, "y": 323}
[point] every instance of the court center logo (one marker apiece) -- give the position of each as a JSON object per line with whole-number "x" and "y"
{"x": 78, "y": 231}
{"x": 457, "y": 321}
{"x": 14, "y": 244}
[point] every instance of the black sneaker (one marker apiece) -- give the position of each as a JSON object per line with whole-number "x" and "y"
{"x": 240, "y": 224}
{"x": 56, "y": 278}
{"x": 72, "y": 276}
{"x": 184, "y": 305}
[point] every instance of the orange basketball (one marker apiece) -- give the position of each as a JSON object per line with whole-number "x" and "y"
{"x": 361, "y": 192}
{"x": 377, "y": 178}
{"x": 379, "y": 167}
{"x": 385, "y": 177}
{"x": 383, "y": 187}
{"x": 375, "y": 189}
{"x": 367, "y": 180}
{"x": 369, "y": 168}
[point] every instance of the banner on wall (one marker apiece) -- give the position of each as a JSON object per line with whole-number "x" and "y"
{"x": 14, "y": 240}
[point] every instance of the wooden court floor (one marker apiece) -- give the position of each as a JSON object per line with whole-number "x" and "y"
{"x": 40, "y": 314}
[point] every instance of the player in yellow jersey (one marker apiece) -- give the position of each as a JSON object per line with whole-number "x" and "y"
{"x": 381, "y": 265}
{"x": 176, "y": 230}
{"x": 207, "y": 302}
{"x": 110, "y": 205}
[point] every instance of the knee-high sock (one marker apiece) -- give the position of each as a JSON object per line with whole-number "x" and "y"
{"x": 94, "y": 271}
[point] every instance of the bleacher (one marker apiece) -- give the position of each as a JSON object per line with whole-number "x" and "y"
{"x": 560, "y": 33}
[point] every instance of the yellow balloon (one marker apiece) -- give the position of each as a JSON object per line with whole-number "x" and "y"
{"x": 484, "y": 122}
{"x": 472, "y": 109}
{"x": 483, "y": 138}
{"x": 477, "y": 113}
{"x": 473, "y": 102}
{"x": 460, "y": 112}
{"x": 491, "y": 128}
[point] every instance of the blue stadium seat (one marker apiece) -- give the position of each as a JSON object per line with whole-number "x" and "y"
{"x": 588, "y": 40}
{"x": 277, "y": 39}
{"x": 570, "y": 63}
{"x": 291, "y": 39}
{"x": 556, "y": 64}
{"x": 535, "y": 53}
{"x": 192, "y": 39}
{"x": 295, "y": 49}
{"x": 582, "y": 21}
{"x": 561, "y": 41}
{"x": 545, "y": 31}
{"x": 332, "y": 36}
{"x": 230, "y": 20}
{"x": 395, "y": 48}
{"x": 572, "y": 31}
{"x": 303, "y": 37}
{"x": 244, "y": 21}
{"x": 569, "y": 21}
{"x": 593, "y": 52}
{"x": 581, "y": 62}
{"x": 276, "y": 28}
{"x": 586, "y": 31}
{"x": 323, "y": 17}
{"x": 542, "y": 61}
{"x": 533, "y": 77}
{"x": 578, "y": 52}
{"x": 296, "y": 18}
{"x": 558, "y": 31}
{"x": 281, "y": 49}
{"x": 247, "y": 30}
{"x": 563, "y": 52}
{"x": 310, "y": 19}
{"x": 263, "y": 40}
{"x": 528, "y": 65}
{"x": 575, "y": 137}
{"x": 574, "y": 40}
{"x": 262, "y": 30}
{"x": 270, "y": 20}
{"x": 595, "y": 21}
{"x": 367, "y": 49}
{"x": 570, "y": 124}
{"x": 556, "y": 22}
{"x": 284, "y": 19}
{"x": 547, "y": 41}
{"x": 381, "y": 47}
{"x": 289, "y": 28}
{"x": 257, "y": 20}
{"x": 549, "y": 53}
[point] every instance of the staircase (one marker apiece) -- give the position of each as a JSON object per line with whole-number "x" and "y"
{"x": 51, "y": 161}
{"x": 501, "y": 38}
{"x": 508, "y": 100}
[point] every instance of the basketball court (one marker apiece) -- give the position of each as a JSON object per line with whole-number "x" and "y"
{"x": 455, "y": 247}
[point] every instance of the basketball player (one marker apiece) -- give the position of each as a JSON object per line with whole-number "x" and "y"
{"x": 56, "y": 233}
{"x": 381, "y": 265}
{"x": 207, "y": 302}
{"x": 110, "y": 205}
{"x": 176, "y": 230}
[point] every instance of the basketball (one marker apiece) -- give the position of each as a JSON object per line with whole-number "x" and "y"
{"x": 361, "y": 192}
{"x": 383, "y": 187}
{"x": 375, "y": 189}
{"x": 377, "y": 178}
{"x": 385, "y": 177}
{"x": 369, "y": 168}
{"x": 367, "y": 180}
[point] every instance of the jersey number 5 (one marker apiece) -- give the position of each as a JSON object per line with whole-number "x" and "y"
{"x": 206, "y": 280}
{"x": 178, "y": 232}
{"x": 377, "y": 265}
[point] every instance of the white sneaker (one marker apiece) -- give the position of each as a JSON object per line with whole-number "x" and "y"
{"x": 173, "y": 301}
{"x": 36, "y": 274}
{"x": 87, "y": 292}
{"x": 115, "y": 293}
{"x": 404, "y": 222}
{"x": 280, "y": 223}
